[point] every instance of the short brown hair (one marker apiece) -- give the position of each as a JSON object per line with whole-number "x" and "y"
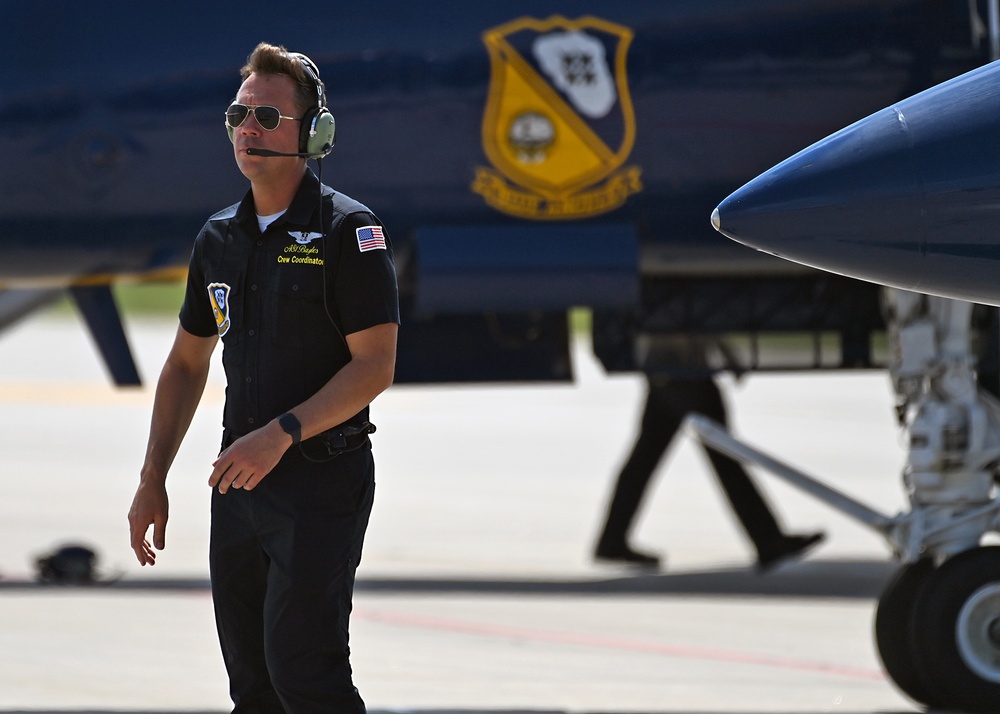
{"x": 275, "y": 59}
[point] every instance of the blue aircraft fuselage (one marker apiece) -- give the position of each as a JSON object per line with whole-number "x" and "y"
{"x": 526, "y": 157}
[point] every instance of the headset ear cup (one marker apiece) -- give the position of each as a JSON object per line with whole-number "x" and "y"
{"x": 322, "y": 134}
{"x": 318, "y": 131}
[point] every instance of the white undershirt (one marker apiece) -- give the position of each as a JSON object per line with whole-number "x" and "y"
{"x": 265, "y": 221}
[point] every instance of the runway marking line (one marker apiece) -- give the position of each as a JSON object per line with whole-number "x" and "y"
{"x": 614, "y": 643}
{"x": 72, "y": 393}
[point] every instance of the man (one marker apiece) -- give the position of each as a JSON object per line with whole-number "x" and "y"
{"x": 299, "y": 284}
{"x": 668, "y": 401}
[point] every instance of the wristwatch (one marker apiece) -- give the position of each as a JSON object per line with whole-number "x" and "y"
{"x": 291, "y": 426}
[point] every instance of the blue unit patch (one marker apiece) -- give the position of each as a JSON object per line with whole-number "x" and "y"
{"x": 218, "y": 296}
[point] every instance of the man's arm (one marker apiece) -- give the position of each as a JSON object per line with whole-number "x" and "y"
{"x": 178, "y": 393}
{"x": 368, "y": 374}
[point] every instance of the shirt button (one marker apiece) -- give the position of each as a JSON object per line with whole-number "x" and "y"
{"x": 253, "y": 287}
{"x": 295, "y": 287}
{"x": 260, "y": 242}
{"x": 250, "y": 420}
{"x": 251, "y": 333}
{"x": 249, "y": 379}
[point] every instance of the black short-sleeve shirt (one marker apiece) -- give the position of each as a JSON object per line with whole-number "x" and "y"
{"x": 283, "y": 300}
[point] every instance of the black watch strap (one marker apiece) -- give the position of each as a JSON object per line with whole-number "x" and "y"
{"x": 291, "y": 426}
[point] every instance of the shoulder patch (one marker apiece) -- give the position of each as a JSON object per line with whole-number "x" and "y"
{"x": 218, "y": 295}
{"x": 370, "y": 238}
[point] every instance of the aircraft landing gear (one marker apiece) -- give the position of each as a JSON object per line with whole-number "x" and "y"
{"x": 894, "y": 630}
{"x": 956, "y": 629}
{"x": 937, "y": 626}
{"x": 938, "y": 631}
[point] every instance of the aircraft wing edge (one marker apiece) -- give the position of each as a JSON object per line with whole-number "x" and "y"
{"x": 18, "y": 303}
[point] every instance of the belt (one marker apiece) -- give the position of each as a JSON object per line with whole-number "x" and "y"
{"x": 327, "y": 444}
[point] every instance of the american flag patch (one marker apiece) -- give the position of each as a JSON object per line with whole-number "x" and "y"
{"x": 370, "y": 238}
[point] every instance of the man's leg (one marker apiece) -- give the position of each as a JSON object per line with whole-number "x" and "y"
{"x": 314, "y": 535}
{"x": 239, "y": 576}
{"x": 660, "y": 421}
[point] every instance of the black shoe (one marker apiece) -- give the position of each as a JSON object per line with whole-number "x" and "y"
{"x": 788, "y": 547}
{"x": 624, "y": 554}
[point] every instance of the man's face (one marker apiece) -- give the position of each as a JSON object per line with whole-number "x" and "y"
{"x": 275, "y": 91}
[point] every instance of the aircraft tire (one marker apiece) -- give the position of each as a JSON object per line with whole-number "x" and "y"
{"x": 957, "y": 633}
{"x": 894, "y": 630}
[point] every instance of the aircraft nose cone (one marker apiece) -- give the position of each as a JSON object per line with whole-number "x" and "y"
{"x": 821, "y": 206}
{"x": 908, "y": 197}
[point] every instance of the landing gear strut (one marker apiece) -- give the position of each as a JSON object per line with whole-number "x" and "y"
{"x": 938, "y": 622}
{"x": 937, "y": 626}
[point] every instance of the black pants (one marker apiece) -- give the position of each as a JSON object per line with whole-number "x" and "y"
{"x": 667, "y": 403}
{"x": 283, "y": 558}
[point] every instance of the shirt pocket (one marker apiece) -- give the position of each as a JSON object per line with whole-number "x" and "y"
{"x": 296, "y": 314}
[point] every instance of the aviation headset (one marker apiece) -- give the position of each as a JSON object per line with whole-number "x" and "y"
{"x": 318, "y": 128}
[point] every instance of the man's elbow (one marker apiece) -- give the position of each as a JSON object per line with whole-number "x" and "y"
{"x": 385, "y": 357}
{"x": 375, "y": 350}
{"x": 385, "y": 375}
{"x": 376, "y": 374}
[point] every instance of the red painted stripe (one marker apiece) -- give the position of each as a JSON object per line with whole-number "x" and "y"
{"x": 613, "y": 643}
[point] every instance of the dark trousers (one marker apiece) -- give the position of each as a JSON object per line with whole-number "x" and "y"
{"x": 667, "y": 403}
{"x": 283, "y": 558}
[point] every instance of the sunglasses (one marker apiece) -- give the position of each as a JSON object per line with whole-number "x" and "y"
{"x": 267, "y": 117}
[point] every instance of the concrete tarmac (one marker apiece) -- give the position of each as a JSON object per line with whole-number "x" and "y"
{"x": 477, "y": 592}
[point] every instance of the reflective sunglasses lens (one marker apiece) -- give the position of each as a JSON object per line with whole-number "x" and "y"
{"x": 237, "y": 114}
{"x": 267, "y": 117}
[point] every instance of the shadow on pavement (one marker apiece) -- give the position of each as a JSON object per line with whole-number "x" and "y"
{"x": 855, "y": 579}
{"x": 417, "y": 711}
{"x": 821, "y": 579}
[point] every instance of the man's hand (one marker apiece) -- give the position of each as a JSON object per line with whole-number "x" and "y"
{"x": 178, "y": 392}
{"x": 149, "y": 508}
{"x": 250, "y": 458}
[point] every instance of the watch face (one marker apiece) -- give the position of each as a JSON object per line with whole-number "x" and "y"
{"x": 291, "y": 426}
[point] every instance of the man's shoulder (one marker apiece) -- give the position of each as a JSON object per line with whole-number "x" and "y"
{"x": 217, "y": 225}
{"x": 226, "y": 214}
{"x": 344, "y": 204}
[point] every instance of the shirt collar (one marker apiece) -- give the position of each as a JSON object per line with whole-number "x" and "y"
{"x": 301, "y": 212}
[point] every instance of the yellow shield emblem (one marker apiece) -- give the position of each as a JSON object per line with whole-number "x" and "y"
{"x": 218, "y": 298}
{"x": 559, "y": 122}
